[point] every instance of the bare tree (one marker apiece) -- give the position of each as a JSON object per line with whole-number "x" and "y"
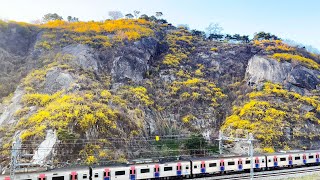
{"x": 36, "y": 21}
{"x": 214, "y": 28}
{"x": 115, "y": 14}
{"x": 136, "y": 13}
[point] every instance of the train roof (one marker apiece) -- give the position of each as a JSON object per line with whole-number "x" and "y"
{"x": 223, "y": 157}
{"x": 292, "y": 152}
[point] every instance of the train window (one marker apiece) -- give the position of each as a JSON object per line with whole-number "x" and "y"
{"x": 119, "y": 173}
{"x": 283, "y": 159}
{"x": 187, "y": 167}
{"x": 84, "y": 176}
{"x": 58, "y": 178}
{"x": 269, "y": 160}
{"x": 297, "y": 158}
{"x": 96, "y": 175}
{"x": 247, "y": 161}
{"x": 231, "y": 163}
{"x": 212, "y": 164}
{"x": 311, "y": 157}
{"x": 195, "y": 166}
{"x": 144, "y": 171}
{"x": 132, "y": 171}
{"x": 167, "y": 169}
{"x": 262, "y": 160}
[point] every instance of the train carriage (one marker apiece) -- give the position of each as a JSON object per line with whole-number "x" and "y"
{"x": 290, "y": 159}
{"x": 123, "y": 172}
{"x": 258, "y": 162}
{"x": 277, "y": 160}
{"x": 175, "y": 169}
{"x": 178, "y": 168}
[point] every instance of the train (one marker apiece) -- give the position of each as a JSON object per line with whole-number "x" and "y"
{"x": 181, "y": 168}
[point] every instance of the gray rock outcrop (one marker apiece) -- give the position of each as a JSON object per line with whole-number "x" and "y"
{"x": 297, "y": 78}
{"x": 8, "y": 114}
{"x": 261, "y": 69}
{"x": 57, "y": 80}
{"x": 82, "y": 56}
{"x": 132, "y": 62}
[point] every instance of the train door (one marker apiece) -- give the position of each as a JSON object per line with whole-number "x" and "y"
{"x": 106, "y": 174}
{"x": 257, "y": 162}
{"x": 73, "y": 175}
{"x": 275, "y": 161}
{"x": 42, "y": 177}
{"x": 240, "y": 166}
{"x": 290, "y": 160}
{"x": 304, "y": 157}
{"x": 203, "y": 167}
{"x": 132, "y": 173}
{"x": 156, "y": 171}
{"x": 317, "y": 158}
{"x": 179, "y": 169}
{"x": 222, "y": 167}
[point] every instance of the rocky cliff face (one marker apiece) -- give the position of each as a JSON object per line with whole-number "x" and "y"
{"x": 76, "y": 85}
{"x": 294, "y": 77}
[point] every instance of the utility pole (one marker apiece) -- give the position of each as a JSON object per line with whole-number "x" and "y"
{"x": 248, "y": 140}
{"x": 220, "y": 142}
{"x": 14, "y": 156}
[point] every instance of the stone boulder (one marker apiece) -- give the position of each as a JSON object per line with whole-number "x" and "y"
{"x": 304, "y": 78}
{"x": 261, "y": 69}
{"x": 298, "y": 78}
{"x": 57, "y": 80}
{"x": 83, "y": 56}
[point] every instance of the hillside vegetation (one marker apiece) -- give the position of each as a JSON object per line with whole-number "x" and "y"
{"x": 131, "y": 79}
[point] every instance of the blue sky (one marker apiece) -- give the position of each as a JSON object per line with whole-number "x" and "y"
{"x": 298, "y": 20}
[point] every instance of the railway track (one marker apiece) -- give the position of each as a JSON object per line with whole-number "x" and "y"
{"x": 274, "y": 174}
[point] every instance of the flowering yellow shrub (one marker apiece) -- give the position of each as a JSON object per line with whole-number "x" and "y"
{"x": 105, "y": 94}
{"x": 269, "y": 150}
{"x": 174, "y": 59}
{"x": 141, "y": 94}
{"x": 57, "y": 111}
{"x": 274, "y": 45}
{"x": 266, "y": 120}
{"x": 36, "y": 99}
{"x": 180, "y": 46}
{"x": 132, "y": 28}
{"x": 188, "y": 118}
{"x": 44, "y": 45}
{"x": 37, "y": 130}
{"x": 34, "y": 78}
{"x": 214, "y": 49}
{"x": 290, "y": 57}
{"x": 197, "y": 89}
